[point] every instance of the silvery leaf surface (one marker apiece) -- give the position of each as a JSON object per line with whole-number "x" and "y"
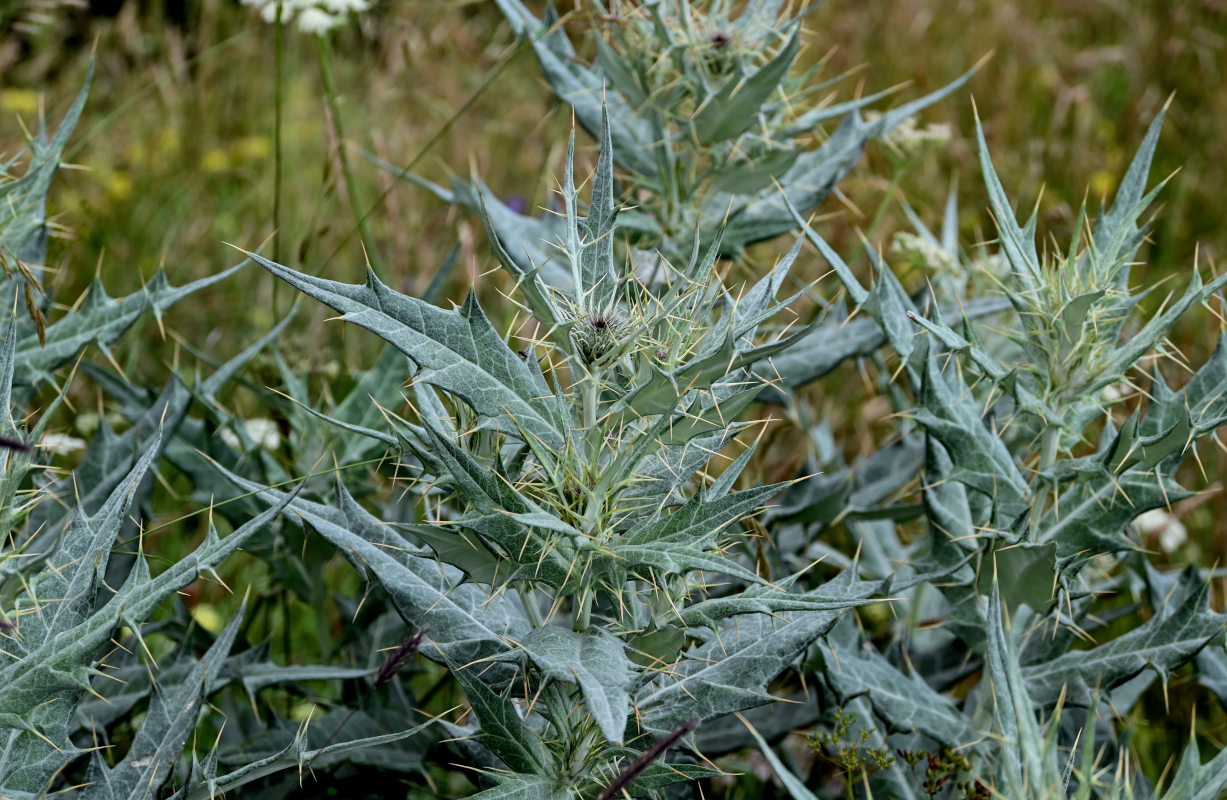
{"x": 502, "y": 730}
{"x": 731, "y": 672}
{"x": 297, "y": 755}
{"x": 158, "y": 743}
{"x": 100, "y": 320}
{"x": 584, "y": 89}
{"x": 466, "y": 622}
{"x": 525, "y": 787}
{"x": 1163, "y": 643}
{"x": 23, "y": 200}
{"x": 458, "y": 351}
{"x": 596, "y": 661}
{"x": 53, "y": 648}
{"x": 904, "y": 701}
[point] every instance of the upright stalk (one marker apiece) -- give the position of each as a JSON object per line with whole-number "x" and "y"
{"x": 529, "y": 599}
{"x": 583, "y": 611}
{"x": 278, "y": 97}
{"x": 1048, "y": 456}
{"x": 351, "y": 186}
{"x": 591, "y": 391}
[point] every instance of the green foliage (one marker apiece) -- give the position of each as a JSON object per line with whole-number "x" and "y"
{"x": 568, "y": 518}
{"x": 707, "y": 115}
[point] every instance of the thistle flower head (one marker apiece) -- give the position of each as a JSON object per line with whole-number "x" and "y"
{"x": 597, "y": 333}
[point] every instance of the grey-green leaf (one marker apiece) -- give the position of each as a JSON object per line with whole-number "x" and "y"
{"x": 1162, "y": 644}
{"x": 735, "y": 106}
{"x": 459, "y": 351}
{"x": 906, "y": 702}
{"x": 596, "y": 661}
{"x": 466, "y": 624}
{"x": 502, "y": 730}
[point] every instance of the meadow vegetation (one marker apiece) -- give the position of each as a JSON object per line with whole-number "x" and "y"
{"x": 732, "y": 400}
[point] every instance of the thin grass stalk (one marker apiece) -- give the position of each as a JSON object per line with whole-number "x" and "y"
{"x": 439, "y": 135}
{"x": 278, "y": 99}
{"x": 351, "y": 186}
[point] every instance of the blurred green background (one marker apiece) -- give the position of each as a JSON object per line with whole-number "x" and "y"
{"x": 176, "y": 148}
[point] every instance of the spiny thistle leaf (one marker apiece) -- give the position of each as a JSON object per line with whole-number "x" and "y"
{"x": 458, "y": 351}
{"x": 1164, "y": 643}
{"x": 904, "y": 701}
{"x": 23, "y": 200}
{"x": 596, "y": 661}
{"x": 525, "y": 787}
{"x": 981, "y": 459}
{"x": 502, "y": 729}
{"x": 731, "y": 671}
{"x": 297, "y": 755}
{"x": 158, "y": 744}
{"x": 584, "y": 89}
{"x": 466, "y": 623}
{"x": 101, "y": 320}
{"x": 1023, "y": 763}
{"x": 732, "y": 108}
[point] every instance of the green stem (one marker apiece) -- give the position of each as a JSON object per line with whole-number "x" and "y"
{"x": 529, "y": 598}
{"x": 592, "y": 392}
{"x": 583, "y": 613}
{"x": 1048, "y": 448}
{"x": 880, "y": 213}
{"x": 278, "y": 98}
{"x": 1048, "y": 456}
{"x": 351, "y": 186}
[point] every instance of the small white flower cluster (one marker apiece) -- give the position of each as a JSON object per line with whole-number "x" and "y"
{"x": 994, "y": 264}
{"x": 1159, "y": 523}
{"x": 61, "y": 443}
{"x": 922, "y": 253}
{"x": 313, "y": 16}
{"x": 911, "y": 141}
{"x": 1115, "y": 392}
{"x": 264, "y": 432}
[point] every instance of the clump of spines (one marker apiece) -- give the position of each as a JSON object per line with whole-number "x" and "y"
{"x": 598, "y": 333}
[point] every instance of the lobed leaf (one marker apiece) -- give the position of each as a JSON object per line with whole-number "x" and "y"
{"x": 457, "y": 351}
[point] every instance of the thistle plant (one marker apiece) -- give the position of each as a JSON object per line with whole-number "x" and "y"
{"x": 563, "y": 481}
{"x": 77, "y": 591}
{"x": 574, "y": 577}
{"x": 565, "y": 477}
{"x": 1028, "y": 489}
{"x": 708, "y": 115}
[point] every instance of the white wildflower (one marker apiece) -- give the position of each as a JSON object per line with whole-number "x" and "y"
{"x": 1160, "y": 523}
{"x": 910, "y": 141}
{"x": 922, "y": 252}
{"x": 1114, "y": 392}
{"x": 264, "y": 432}
{"x": 1173, "y": 536}
{"x": 312, "y": 16}
{"x": 230, "y": 439}
{"x": 87, "y": 423}
{"x": 61, "y": 443}
{"x": 317, "y": 21}
{"x": 346, "y": 6}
